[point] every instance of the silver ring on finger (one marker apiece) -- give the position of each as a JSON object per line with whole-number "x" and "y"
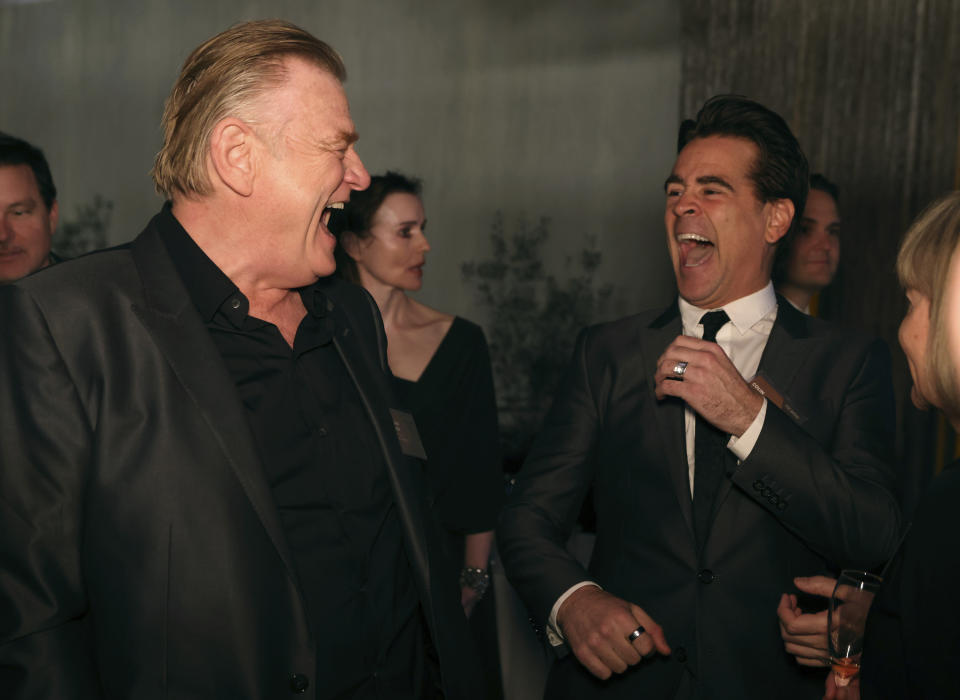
{"x": 679, "y": 369}
{"x": 635, "y": 635}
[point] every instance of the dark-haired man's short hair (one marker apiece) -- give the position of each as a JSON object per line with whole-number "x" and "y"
{"x": 14, "y": 151}
{"x": 818, "y": 181}
{"x": 781, "y": 170}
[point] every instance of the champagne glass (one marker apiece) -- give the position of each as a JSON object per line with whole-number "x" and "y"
{"x": 846, "y": 620}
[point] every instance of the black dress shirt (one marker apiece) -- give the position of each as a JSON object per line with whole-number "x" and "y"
{"x": 327, "y": 476}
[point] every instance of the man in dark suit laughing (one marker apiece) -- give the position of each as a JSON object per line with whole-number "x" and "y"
{"x": 732, "y": 443}
{"x": 202, "y": 490}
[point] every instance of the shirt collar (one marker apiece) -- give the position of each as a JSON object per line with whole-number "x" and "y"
{"x": 314, "y": 300}
{"x": 208, "y": 287}
{"x": 743, "y": 312}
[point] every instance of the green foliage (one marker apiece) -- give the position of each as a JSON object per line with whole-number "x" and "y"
{"x": 534, "y": 318}
{"x": 86, "y": 231}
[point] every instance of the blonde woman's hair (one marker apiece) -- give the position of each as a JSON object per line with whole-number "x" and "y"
{"x": 923, "y": 264}
{"x": 226, "y": 76}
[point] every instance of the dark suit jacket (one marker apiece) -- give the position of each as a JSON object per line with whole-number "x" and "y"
{"x": 141, "y": 553}
{"x": 810, "y": 496}
{"x": 912, "y": 642}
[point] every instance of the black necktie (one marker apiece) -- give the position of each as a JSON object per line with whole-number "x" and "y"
{"x": 710, "y": 448}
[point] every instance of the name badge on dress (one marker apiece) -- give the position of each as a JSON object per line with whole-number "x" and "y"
{"x": 407, "y": 434}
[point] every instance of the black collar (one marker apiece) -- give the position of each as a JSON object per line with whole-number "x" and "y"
{"x": 209, "y": 289}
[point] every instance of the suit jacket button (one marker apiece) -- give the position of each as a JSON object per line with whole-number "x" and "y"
{"x": 782, "y": 505}
{"x": 706, "y": 576}
{"x": 299, "y": 683}
{"x": 680, "y": 654}
{"x": 758, "y": 485}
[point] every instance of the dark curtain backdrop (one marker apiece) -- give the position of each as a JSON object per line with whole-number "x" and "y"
{"x": 872, "y": 90}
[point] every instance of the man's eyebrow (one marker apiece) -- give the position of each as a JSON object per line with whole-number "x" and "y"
{"x": 28, "y": 202}
{"x": 835, "y": 222}
{"x": 344, "y": 139}
{"x": 715, "y": 180}
{"x": 674, "y": 179}
{"x": 348, "y": 137}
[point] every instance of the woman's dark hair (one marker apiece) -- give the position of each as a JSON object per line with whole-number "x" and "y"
{"x": 356, "y": 217}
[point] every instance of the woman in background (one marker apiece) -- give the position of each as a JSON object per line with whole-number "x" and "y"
{"x": 442, "y": 374}
{"x": 912, "y": 642}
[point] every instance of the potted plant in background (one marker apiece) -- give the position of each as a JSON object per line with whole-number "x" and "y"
{"x": 87, "y": 231}
{"x": 533, "y": 320}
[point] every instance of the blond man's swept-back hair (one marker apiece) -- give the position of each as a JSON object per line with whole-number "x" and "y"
{"x": 225, "y": 76}
{"x": 923, "y": 264}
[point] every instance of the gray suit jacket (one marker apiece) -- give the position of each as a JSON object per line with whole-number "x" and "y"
{"x": 142, "y": 554}
{"x": 813, "y": 495}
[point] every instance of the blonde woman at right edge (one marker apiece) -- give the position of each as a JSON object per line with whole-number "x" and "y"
{"x": 912, "y": 641}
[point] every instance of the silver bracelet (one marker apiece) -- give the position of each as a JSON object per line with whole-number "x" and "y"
{"x": 477, "y": 579}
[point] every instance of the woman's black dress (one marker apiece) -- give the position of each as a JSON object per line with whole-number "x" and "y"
{"x": 455, "y": 411}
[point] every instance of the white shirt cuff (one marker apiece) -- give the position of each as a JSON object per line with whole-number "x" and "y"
{"x": 742, "y": 446}
{"x": 554, "y": 635}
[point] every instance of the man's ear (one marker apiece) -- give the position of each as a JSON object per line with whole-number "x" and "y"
{"x": 232, "y": 155}
{"x": 779, "y": 218}
{"x": 54, "y": 216}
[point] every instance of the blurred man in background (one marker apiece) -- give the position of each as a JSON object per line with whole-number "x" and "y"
{"x": 807, "y": 260}
{"x": 28, "y": 209}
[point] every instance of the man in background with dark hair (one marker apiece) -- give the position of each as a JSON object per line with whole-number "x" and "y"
{"x": 807, "y": 260}
{"x": 28, "y": 209}
{"x": 731, "y": 441}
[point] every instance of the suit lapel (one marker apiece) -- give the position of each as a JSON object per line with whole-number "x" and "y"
{"x": 787, "y": 346}
{"x": 670, "y": 412}
{"x": 178, "y": 332}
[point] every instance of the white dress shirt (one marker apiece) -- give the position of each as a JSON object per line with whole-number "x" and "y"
{"x": 743, "y": 339}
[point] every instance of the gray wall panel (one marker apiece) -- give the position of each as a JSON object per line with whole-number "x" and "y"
{"x": 565, "y": 110}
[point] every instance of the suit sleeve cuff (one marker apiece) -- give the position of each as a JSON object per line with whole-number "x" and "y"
{"x": 742, "y": 446}
{"x": 554, "y": 635}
